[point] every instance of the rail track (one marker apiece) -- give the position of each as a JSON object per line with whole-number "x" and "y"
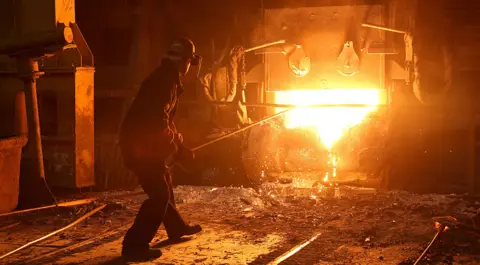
{"x": 57, "y": 245}
{"x": 105, "y": 235}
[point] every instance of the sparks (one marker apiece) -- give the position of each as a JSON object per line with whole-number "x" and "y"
{"x": 330, "y": 123}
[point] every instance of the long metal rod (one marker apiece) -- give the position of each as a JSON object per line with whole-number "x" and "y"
{"x": 383, "y": 28}
{"x": 294, "y": 250}
{"x": 42, "y": 246}
{"x": 265, "y": 45}
{"x": 241, "y": 130}
{"x": 63, "y": 204}
{"x": 9, "y": 226}
{"x": 440, "y": 230}
{"x": 79, "y": 220}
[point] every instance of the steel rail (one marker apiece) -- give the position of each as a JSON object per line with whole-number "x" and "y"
{"x": 85, "y": 242}
{"x": 62, "y": 204}
{"x": 76, "y": 222}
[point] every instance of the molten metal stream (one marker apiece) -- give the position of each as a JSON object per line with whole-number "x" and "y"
{"x": 332, "y": 167}
{"x": 330, "y": 124}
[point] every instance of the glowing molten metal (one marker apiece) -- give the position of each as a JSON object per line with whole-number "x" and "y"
{"x": 329, "y": 122}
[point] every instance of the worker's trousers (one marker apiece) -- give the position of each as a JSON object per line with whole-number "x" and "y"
{"x": 158, "y": 208}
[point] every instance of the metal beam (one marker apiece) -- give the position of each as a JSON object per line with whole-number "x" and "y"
{"x": 272, "y": 4}
{"x": 273, "y": 105}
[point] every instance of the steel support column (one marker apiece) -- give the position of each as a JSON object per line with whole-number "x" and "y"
{"x": 29, "y": 73}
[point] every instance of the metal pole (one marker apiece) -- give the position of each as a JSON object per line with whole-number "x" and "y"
{"x": 294, "y": 250}
{"x": 29, "y": 73}
{"x": 383, "y": 28}
{"x": 265, "y": 45}
{"x": 240, "y": 130}
{"x": 440, "y": 230}
{"x": 21, "y": 124}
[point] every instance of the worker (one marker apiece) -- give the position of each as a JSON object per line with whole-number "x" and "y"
{"x": 147, "y": 137}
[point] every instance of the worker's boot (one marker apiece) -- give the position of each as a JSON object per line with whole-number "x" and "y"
{"x": 140, "y": 254}
{"x": 188, "y": 230}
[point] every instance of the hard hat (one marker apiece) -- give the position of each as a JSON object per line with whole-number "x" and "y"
{"x": 183, "y": 48}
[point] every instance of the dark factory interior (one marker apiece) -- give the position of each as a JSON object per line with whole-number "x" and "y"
{"x": 307, "y": 132}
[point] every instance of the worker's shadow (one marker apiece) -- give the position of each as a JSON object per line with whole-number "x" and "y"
{"x": 161, "y": 244}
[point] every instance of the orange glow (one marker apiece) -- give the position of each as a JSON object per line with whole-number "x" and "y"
{"x": 330, "y": 123}
{"x": 332, "y": 163}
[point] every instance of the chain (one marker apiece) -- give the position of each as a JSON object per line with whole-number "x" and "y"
{"x": 243, "y": 83}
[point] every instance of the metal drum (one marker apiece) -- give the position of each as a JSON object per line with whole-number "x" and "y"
{"x": 10, "y": 156}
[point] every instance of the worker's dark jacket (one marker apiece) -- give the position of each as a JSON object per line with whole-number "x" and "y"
{"x": 143, "y": 135}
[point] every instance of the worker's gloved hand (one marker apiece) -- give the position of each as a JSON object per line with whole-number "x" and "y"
{"x": 169, "y": 145}
{"x": 184, "y": 153}
{"x": 182, "y": 157}
{"x": 181, "y": 154}
{"x": 190, "y": 155}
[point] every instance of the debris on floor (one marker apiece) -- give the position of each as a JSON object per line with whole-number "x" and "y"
{"x": 256, "y": 226}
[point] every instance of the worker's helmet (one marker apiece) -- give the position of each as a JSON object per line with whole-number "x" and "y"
{"x": 183, "y": 49}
